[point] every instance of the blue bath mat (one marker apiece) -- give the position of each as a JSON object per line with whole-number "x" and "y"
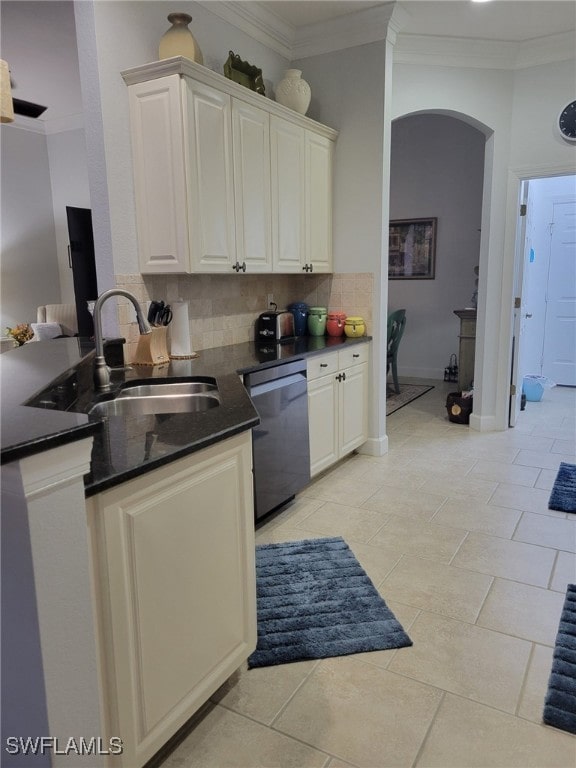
{"x": 563, "y": 496}
{"x": 315, "y": 601}
{"x": 560, "y": 704}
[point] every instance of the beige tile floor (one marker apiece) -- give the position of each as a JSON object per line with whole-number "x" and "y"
{"x": 454, "y": 529}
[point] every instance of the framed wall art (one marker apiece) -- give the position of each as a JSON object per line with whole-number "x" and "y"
{"x": 412, "y": 249}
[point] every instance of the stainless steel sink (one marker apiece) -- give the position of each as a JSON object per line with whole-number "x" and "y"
{"x": 170, "y": 389}
{"x": 161, "y": 397}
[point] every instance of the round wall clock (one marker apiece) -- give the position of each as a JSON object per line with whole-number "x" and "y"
{"x": 567, "y": 121}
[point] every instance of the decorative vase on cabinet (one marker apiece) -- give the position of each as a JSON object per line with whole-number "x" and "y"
{"x": 179, "y": 40}
{"x": 294, "y": 92}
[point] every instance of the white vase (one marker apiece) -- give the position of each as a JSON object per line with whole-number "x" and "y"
{"x": 294, "y": 92}
{"x": 179, "y": 41}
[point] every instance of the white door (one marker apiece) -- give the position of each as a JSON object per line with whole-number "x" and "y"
{"x": 559, "y": 358}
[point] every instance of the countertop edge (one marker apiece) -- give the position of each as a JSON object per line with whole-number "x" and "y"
{"x": 91, "y": 489}
{"x": 48, "y": 442}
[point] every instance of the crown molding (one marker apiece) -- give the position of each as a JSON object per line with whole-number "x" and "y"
{"x": 386, "y": 22}
{"x": 31, "y": 124}
{"x": 63, "y": 124}
{"x": 48, "y": 127}
{"x": 546, "y": 50}
{"x": 256, "y": 21}
{"x": 483, "y": 54}
{"x": 454, "y": 52}
{"x": 369, "y": 25}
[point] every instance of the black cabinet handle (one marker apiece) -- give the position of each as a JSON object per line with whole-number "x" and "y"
{"x": 323, "y": 365}
{"x": 355, "y": 355}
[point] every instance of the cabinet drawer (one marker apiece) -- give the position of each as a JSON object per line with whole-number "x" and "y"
{"x": 322, "y": 365}
{"x": 353, "y": 356}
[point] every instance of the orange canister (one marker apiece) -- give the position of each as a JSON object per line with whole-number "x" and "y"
{"x": 354, "y": 326}
{"x": 335, "y": 323}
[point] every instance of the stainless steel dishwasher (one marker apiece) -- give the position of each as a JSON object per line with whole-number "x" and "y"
{"x": 280, "y": 443}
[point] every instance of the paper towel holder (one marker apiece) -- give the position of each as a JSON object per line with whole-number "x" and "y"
{"x": 182, "y": 345}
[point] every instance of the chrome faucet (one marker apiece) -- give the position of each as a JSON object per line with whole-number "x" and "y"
{"x": 101, "y": 370}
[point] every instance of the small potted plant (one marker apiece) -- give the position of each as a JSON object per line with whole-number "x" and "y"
{"x": 21, "y": 333}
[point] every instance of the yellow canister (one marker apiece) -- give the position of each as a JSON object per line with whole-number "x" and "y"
{"x": 354, "y": 326}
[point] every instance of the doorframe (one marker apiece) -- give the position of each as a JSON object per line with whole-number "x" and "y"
{"x": 513, "y": 242}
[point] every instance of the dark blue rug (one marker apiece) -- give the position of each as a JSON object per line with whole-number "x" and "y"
{"x": 315, "y": 601}
{"x": 563, "y": 496}
{"x": 560, "y": 704}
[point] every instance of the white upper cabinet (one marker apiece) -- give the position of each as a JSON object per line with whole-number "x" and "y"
{"x": 159, "y": 177}
{"x": 288, "y": 203}
{"x": 251, "y": 134}
{"x": 209, "y": 178}
{"x": 225, "y": 179}
{"x": 318, "y": 202}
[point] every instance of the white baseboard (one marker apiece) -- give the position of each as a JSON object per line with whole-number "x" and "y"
{"x": 483, "y": 423}
{"x": 375, "y": 446}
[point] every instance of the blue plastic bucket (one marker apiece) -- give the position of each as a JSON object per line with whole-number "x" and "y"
{"x": 532, "y": 388}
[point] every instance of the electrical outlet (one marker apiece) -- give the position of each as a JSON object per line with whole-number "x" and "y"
{"x": 270, "y": 299}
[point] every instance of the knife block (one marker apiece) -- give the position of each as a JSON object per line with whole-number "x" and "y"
{"x": 152, "y": 348}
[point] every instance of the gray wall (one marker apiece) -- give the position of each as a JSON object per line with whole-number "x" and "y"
{"x": 437, "y": 169}
{"x": 29, "y": 262}
{"x": 348, "y": 95}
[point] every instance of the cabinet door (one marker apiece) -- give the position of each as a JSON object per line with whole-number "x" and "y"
{"x": 175, "y": 569}
{"x": 353, "y": 408}
{"x": 159, "y": 176}
{"x": 323, "y": 422}
{"x": 318, "y": 202}
{"x": 251, "y": 143}
{"x": 288, "y": 197}
{"x": 208, "y": 159}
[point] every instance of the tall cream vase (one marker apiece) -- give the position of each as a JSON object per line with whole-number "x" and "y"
{"x": 179, "y": 40}
{"x": 294, "y": 92}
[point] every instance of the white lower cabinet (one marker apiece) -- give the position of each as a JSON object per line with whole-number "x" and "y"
{"x": 337, "y": 404}
{"x": 174, "y": 576}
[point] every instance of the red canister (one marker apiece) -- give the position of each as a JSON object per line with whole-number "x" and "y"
{"x": 335, "y": 323}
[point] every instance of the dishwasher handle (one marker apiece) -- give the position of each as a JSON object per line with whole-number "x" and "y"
{"x": 271, "y": 386}
{"x": 274, "y": 372}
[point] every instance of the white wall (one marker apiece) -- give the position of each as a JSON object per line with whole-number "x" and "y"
{"x": 348, "y": 94}
{"x": 540, "y": 93}
{"x": 437, "y": 169}
{"x": 29, "y": 262}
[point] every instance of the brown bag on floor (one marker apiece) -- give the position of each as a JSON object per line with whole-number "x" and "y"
{"x": 459, "y": 408}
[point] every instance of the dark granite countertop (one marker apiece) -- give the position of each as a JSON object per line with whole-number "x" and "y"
{"x": 125, "y": 447}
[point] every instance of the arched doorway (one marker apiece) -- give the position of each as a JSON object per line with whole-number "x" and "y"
{"x": 437, "y": 170}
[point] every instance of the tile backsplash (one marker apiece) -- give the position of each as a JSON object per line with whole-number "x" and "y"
{"x": 224, "y": 308}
